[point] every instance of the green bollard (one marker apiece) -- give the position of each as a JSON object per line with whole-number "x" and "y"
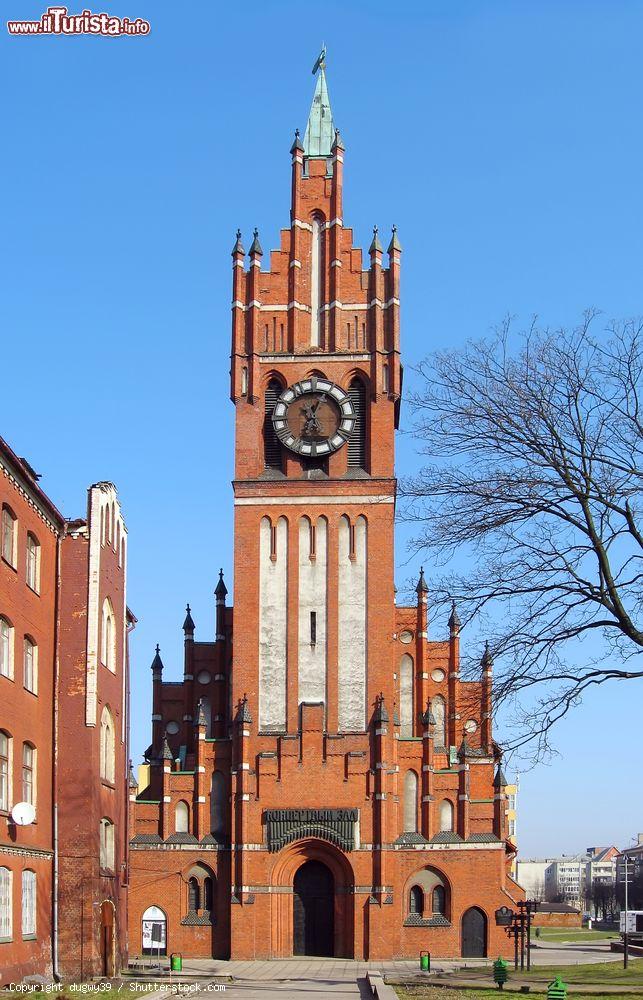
{"x": 500, "y": 973}
{"x": 557, "y": 990}
{"x": 425, "y": 961}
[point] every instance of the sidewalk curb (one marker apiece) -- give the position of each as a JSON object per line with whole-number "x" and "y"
{"x": 379, "y": 989}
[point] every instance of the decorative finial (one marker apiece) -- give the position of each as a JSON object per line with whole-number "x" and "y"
{"x": 375, "y": 246}
{"x": 422, "y": 585}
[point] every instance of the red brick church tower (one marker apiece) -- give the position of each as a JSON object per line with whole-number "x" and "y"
{"x": 322, "y": 781}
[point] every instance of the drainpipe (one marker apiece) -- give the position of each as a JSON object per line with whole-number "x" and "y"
{"x": 56, "y": 970}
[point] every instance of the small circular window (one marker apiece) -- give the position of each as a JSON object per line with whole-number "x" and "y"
{"x": 437, "y": 676}
{"x": 204, "y": 677}
{"x": 470, "y": 726}
{"x": 406, "y": 636}
{"x": 172, "y": 728}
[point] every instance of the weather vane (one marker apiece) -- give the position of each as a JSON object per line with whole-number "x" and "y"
{"x": 321, "y": 60}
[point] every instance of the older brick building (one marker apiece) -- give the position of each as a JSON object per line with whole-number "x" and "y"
{"x": 321, "y": 781}
{"x": 63, "y": 731}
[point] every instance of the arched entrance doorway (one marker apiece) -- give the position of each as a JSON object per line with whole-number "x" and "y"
{"x": 154, "y": 932}
{"x": 310, "y": 876}
{"x": 474, "y": 933}
{"x": 107, "y": 938}
{"x": 313, "y": 910}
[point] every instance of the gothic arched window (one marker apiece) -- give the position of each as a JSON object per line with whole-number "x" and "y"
{"x": 439, "y": 900}
{"x": 194, "y": 894}
{"x": 416, "y": 900}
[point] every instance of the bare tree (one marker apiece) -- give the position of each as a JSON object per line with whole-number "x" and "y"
{"x": 535, "y": 478}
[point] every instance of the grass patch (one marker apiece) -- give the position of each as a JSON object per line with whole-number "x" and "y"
{"x": 86, "y": 991}
{"x": 600, "y": 972}
{"x": 438, "y": 993}
{"x": 571, "y": 934}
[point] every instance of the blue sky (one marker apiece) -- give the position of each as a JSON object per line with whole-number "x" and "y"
{"x": 503, "y": 139}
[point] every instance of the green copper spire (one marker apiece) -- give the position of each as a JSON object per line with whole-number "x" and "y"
{"x": 320, "y": 130}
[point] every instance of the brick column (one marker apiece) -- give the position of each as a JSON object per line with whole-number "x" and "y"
{"x": 201, "y": 824}
{"x": 428, "y": 724}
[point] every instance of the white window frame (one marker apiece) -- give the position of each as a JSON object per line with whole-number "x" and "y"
{"x": 33, "y": 770}
{"x": 6, "y": 648}
{"x": 5, "y": 777}
{"x": 107, "y": 746}
{"x": 9, "y": 521}
{"x": 32, "y": 572}
{"x": 29, "y": 898}
{"x": 108, "y": 636}
{"x": 30, "y": 683}
{"x": 6, "y": 904}
{"x": 446, "y": 816}
{"x": 107, "y": 858}
{"x": 182, "y": 817}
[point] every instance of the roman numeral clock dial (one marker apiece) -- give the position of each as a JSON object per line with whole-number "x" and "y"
{"x": 313, "y": 417}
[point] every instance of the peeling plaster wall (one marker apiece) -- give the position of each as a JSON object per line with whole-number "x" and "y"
{"x": 273, "y": 619}
{"x": 312, "y": 598}
{"x": 352, "y": 627}
{"x": 410, "y": 802}
{"x": 406, "y": 696}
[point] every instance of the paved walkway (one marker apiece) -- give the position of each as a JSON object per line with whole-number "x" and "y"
{"x": 342, "y": 979}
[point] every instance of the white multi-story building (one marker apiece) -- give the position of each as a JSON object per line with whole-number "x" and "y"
{"x": 569, "y": 878}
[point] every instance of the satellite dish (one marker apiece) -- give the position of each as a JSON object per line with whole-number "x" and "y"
{"x": 23, "y": 813}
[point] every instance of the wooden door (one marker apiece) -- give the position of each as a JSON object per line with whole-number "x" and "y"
{"x": 314, "y": 903}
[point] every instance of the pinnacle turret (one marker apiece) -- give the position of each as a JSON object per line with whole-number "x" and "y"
{"x": 157, "y": 662}
{"x": 381, "y": 714}
{"x": 297, "y": 145}
{"x": 188, "y": 624}
{"x": 201, "y": 719}
{"x": 238, "y": 247}
{"x": 220, "y": 590}
{"x": 454, "y": 622}
{"x": 422, "y": 585}
{"x": 376, "y": 246}
{"x": 243, "y": 712}
{"x": 395, "y": 243}
{"x": 255, "y": 249}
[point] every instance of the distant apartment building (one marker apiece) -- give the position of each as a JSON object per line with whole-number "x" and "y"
{"x": 64, "y": 627}
{"x": 568, "y": 879}
{"x": 511, "y": 816}
{"x": 531, "y": 876}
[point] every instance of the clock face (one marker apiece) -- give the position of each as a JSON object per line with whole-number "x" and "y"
{"x": 313, "y": 417}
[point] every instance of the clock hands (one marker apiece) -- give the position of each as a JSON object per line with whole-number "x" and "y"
{"x": 311, "y": 420}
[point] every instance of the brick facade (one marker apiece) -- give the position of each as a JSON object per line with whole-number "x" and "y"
{"x": 388, "y": 775}
{"x": 46, "y": 598}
